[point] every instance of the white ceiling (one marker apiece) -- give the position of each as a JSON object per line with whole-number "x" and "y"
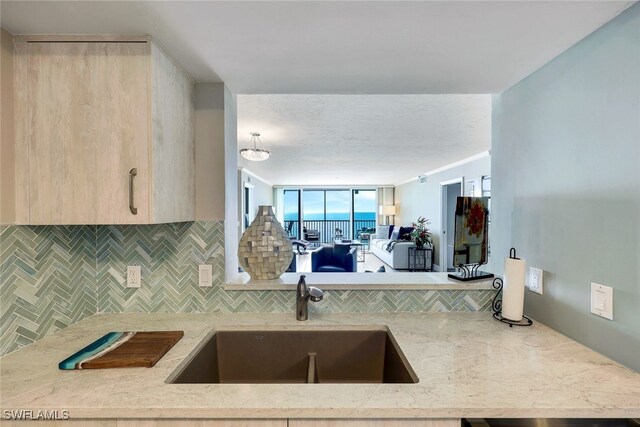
{"x": 341, "y": 46}
{"x": 361, "y": 139}
{"x": 345, "y": 47}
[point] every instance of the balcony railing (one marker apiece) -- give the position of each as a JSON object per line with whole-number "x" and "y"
{"x": 327, "y": 228}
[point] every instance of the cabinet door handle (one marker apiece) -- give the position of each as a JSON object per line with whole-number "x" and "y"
{"x": 133, "y": 172}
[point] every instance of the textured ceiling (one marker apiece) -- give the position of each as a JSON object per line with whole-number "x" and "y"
{"x": 338, "y": 46}
{"x": 361, "y": 139}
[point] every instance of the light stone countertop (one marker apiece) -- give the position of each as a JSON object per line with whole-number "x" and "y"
{"x": 469, "y": 365}
{"x": 360, "y": 281}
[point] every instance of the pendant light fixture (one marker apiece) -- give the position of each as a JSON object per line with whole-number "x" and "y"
{"x": 255, "y": 151}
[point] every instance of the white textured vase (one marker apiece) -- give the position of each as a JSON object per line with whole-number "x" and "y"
{"x": 265, "y": 251}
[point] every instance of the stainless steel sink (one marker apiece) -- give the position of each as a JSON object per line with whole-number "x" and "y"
{"x": 296, "y": 356}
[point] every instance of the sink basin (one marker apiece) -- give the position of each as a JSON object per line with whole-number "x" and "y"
{"x": 296, "y": 356}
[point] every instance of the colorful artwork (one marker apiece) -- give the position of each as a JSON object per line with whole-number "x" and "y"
{"x": 471, "y": 234}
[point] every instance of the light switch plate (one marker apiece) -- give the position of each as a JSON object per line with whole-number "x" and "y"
{"x": 602, "y": 300}
{"x": 134, "y": 276}
{"x": 205, "y": 273}
{"x": 535, "y": 280}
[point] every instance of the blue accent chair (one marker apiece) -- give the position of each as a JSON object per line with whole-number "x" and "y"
{"x": 339, "y": 258}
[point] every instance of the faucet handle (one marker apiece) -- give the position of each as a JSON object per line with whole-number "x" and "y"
{"x": 315, "y": 294}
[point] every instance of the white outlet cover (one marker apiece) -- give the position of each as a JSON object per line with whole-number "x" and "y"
{"x": 134, "y": 276}
{"x": 535, "y": 280}
{"x": 205, "y": 273}
{"x": 602, "y": 300}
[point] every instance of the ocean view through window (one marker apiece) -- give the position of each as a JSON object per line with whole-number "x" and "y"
{"x": 331, "y": 212}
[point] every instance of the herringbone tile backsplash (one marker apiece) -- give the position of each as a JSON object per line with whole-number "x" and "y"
{"x": 48, "y": 278}
{"x": 54, "y": 276}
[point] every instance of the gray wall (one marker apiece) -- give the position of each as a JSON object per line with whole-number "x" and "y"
{"x": 566, "y": 185}
{"x": 209, "y": 140}
{"x": 7, "y": 146}
{"x": 413, "y": 199}
{"x": 231, "y": 223}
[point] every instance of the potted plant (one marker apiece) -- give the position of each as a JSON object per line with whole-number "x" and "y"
{"x": 420, "y": 234}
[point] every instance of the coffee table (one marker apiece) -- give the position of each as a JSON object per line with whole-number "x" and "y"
{"x": 360, "y": 253}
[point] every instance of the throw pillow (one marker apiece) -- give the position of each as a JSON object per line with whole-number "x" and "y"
{"x": 405, "y": 233}
{"x": 391, "y": 228}
{"x": 395, "y": 235}
{"x": 383, "y": 232}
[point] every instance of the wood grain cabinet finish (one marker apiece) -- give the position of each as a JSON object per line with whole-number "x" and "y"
{"x": 150, "y": 423}
{"x": 88, "y": 111}
{"x": 375, "y": 423}
{"x": 246, "y": 423}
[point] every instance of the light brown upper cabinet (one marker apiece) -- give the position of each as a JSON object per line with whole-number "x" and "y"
{"x": 104, "y": 132}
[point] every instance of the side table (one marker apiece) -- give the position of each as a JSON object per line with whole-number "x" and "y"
{"x": 420, "y": 259}
{"x": 365, "y": 239}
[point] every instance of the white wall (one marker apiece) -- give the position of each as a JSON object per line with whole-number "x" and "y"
{"x": 261, "y": 194}
{"x": 262, "y": 191}
{"x": 566, "y": 185}
{"x": 414, "y": 200}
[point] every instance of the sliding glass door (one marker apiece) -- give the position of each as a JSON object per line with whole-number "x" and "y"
{"x": 292, "y": 213}
{"x": 364, "y": 212}
{"x": 329, "y": 213}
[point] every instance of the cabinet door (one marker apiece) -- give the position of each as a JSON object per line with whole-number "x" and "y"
{"x": 88, "y": 110}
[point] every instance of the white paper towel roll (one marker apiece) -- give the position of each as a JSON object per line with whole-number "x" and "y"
{"x": 513, "y": 289}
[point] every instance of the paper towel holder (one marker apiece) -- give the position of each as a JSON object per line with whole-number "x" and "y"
{"x": 496, "y": 304}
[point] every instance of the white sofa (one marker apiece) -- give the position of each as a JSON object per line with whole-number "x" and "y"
{"x": 398, "y": 258}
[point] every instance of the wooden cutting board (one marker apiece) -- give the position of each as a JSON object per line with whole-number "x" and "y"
{"x": 124, "y": 350}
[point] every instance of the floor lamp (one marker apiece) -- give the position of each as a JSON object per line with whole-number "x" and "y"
{"x": 387, "y": 211}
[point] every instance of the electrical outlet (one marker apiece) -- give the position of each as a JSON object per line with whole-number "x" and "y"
{"x": 535, "y": 280}
{"x": 205, "y": 274}
{"x": 134, "y": 276}
{"x": 602, "y": 300}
